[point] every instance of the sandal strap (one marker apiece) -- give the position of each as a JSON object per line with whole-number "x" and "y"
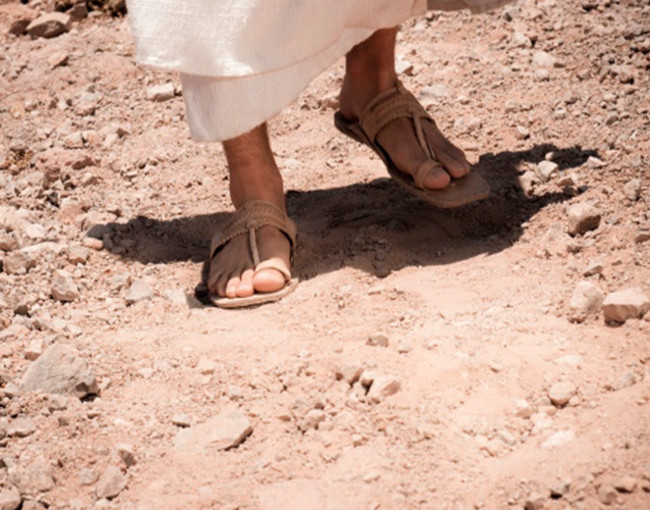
{"x": 392, "y": 104}
{"x": 253, "y": 215}
{"x": 422, "y": 171}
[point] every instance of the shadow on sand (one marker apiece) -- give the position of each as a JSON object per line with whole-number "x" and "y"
{"x": 374, "y": 227}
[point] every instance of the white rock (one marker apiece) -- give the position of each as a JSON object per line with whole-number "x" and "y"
{"x": 34, "y": 478}
{"x": 78, "y": 254}
{"x": 632, "y": 189}
{"x": 523, "y": 409}
{"x": 581, "y": 218}
{"x": 626, "y": 484}
{"x": 607, "y": 494}
{"x": 63, "y": 287}
{"x": 18, "y": 262}
{"x": 34, "y": 349}
{"x": 181, "y": 420}
{"x": 383, "y": 386}
{"x": 160, "y": 93}
{"x": 547, "y": 170}
{"x": 312, "y": 419}
{"x": 222, "y": 432}
{"x": 60, "y": 370}
{"x": 378, "y": 339}
{"x": 110, "y": 483}
{"x": 626, "y": 304}
{"x": 139, "y": 290}
{"x": 587, "y": 298}
{"x": 559, "y": 438}
{"x": 543, "y": 60}
{"x": 125, "y": 453}
{"x": 10, "y": 498}
{"x": 21, "y": 427}
{"x": 560, "y": 393}
{"x": 349, "y": 371}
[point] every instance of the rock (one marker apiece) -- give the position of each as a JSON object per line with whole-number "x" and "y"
{"x": 181, "y": 420}
{"x": 581, "y": 218}
{"x": 19, "y": 262}
{"x": 626, "y": 304}
{"x": 560, "y": 393}
{"x": 34, "y": 350}
{"x": 63, "y": 287}
{"x": 632, "y": 189}
{"x": 593, "y": 269}
{"x": 110, "y": 483}
{"x": 8, "y": 241}
{"x": 93, "y": 244}
{"x": 543, "y": 60}
{"x": 160, "y": 93}
{"x": 222, "y": 432}
{"x": 312, "y": 419}
{"x": 366, "y": 378}
{"x": 378, "y": 339}
{"x": 522, "y": 133}
{"x": 642, "y": 235}
{"x": 625, "y": 381}
{"x": 560, "y": 438}
{"x": 78, "y": 254}
{"x": 523, "y": 409}
{"x": 607, "y": 494}
{"x": 50, "y": 25}
{"x": 587, "y": 298}
{"x": 560, "y": 490}
{"x": 125, "y": 453}
{"x": 139, "y": 290}
{"x": 60, "y": 370}
{"x": 119, "y": 280}
{"x": 206, "y": 366}
{"x": 87, "y": 476}
{"x": 349, "y": 371}
{"x": 535, "y": 502}
{"x": 626, "y": 484}
{"x": 34, "y": 478}
{"x": 21, "y": 427}
{"x": 10, "y": 498}
{"x": 383, "y": 386}
{"x": 547, "y": 170}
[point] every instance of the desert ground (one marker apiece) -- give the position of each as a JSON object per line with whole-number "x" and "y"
{"x": 487, "y": 357}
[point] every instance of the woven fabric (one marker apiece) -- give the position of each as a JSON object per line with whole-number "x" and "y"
{"x": 242, "y": 61}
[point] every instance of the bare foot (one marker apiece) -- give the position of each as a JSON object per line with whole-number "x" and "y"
{"x": 370, "y": 70}
{"x": 253, "y": 176}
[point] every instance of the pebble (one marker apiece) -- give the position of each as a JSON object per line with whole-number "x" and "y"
{"x": 222, "y": 432}
{"x": 593, "y": 269}
{"x": 535, "y": 502}
{"x": 587, "y": 298}
{"x": 160, "y": 93}
{"x": 34, "y": 478}
{"x": 10, "y": 498}
{"x": 383, "y": 386}
{"x": 181, "y": 420}
{"x": 523, "y": 409}
{"x": 543, "y": 60}
{"x": 125, "y": 453}
{"x": 63, "y": 287}
{"x": 625, "y": 304}
{"x": 139, "y": 290}
{"x": 547, "y": 170}
{"x": 625, "y": 381}
{"x": 632, "y": 190}
{"x": 60, "y": 369}
{"x": 349, "y": 371}
{"x": 313, "y": 419}
{"x": 626, "y": 484}
{"x": 110, "y": 483}
{"x": 582, "y": 217}
{"x": 607, "y": 494}
{"x": 21, "y": 427}
{"x": 87, "y": 476}
{"x": 19, "y": 262}
{"x": 559, "y": 438}
{"x": 522, "y": 133}
{"x": 93, "y": 243}
{"x": 378, "y": 339}
{"x": 50, "y": 25}
{"x": 78, "y": 254}
{"x": 34, "y": 350}
{"x": 8, "y": 241}
{"x": 561, "y": 392}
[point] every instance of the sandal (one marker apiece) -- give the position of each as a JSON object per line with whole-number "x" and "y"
{"x": 250, "y": 217}
{"x": 395, "y": 103}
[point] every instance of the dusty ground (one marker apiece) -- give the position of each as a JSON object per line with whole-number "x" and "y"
{"x": 474, "y": 303}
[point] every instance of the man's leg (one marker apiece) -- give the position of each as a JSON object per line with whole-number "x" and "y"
{"x": 253, "y": 176}
{"x": 370, "y": 69}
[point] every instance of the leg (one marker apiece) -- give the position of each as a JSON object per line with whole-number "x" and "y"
{"x": 370, "y": 69}
{"x": 253, "y": 175}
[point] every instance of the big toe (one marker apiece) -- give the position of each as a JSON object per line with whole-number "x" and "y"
{"x": 268, "y": 280}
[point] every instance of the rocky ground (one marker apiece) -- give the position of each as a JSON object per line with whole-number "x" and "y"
{"x": 487, "y": 357}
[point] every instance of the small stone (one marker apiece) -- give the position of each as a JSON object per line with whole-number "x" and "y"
{"x": 160, "y": 93}
{"x": 383, "y": 386}
{"x": 139, "y": 290}
{"x": 21, "y": 427}
{"x": 8, "y": 241}
{"x": 527, "y": 182}
{"x": 626, "y": 304}
{"x": 560, "y": 438}
{"x": 10, "y": 498}
{"x": 560, "y": 490}
{"x": 119, "y": 280}
{"x": 110, "y": 483}
{"x": 642, "y": 236}
{"x": 60, "y": 370}
{"x": 378, "y": 339}
{"x": 78, "y": 254}
{"x": 125, "y": 452}
{"x": 535, "y": 502}
{"x": 176, "y": 297}
{"x": 543, "y": 60}
{"x": 581, "y": 218}
{"x": 366, "y": 378}
{"x": 625, "y": 381}
{"x": 57, "y": 59}
{"x": 50, "y": 25}
{"x": 222, "y": 432}
{"x": 312, "y": 419}
{"x": 595, "y": 162}
{"x": 523, "y": 409}
{"x": 522, "y": 133}
{"x": 181, "y": 420}
{"x": 587, "y": 298}
{"x": 349, "y": 371}
{"x": 626, "y": 484}
{"x": 19, "y": 262}
{"x": 34, "y": 478}
{"x": 63, "y": 287}
{"x": 547, "y": 170}
{"x": 87, "y": 476}
{"x": 93, "y": 244}
{"x": 593, "y": 269}
{"x": 607, "y": 494}
{"x": 34, "y": 349}
{"x": 560, "y": 393}
{"x": 632, "y": 190}
{"x": 206, "y": 366}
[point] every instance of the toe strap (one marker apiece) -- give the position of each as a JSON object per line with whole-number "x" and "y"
{"x": 422, "y": 171}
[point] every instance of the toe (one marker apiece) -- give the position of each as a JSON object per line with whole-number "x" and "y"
{"x": 451, "y": 157}
{"x": 245, "y": 287}
{"x": 437, "y": 178}
{"x": 231, "y": 287}
{"x": 268, "y": 280}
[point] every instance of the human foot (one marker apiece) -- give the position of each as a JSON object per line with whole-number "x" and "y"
{"x": 370, "y": 75}
{"x": 250, "y": 257}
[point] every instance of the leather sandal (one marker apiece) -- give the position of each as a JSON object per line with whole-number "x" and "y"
{"x": 246, "y": 221}
{"x": 388, "y": 106}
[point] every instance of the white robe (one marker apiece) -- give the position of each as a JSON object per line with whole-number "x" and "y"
{"x": 242, "y": 61}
